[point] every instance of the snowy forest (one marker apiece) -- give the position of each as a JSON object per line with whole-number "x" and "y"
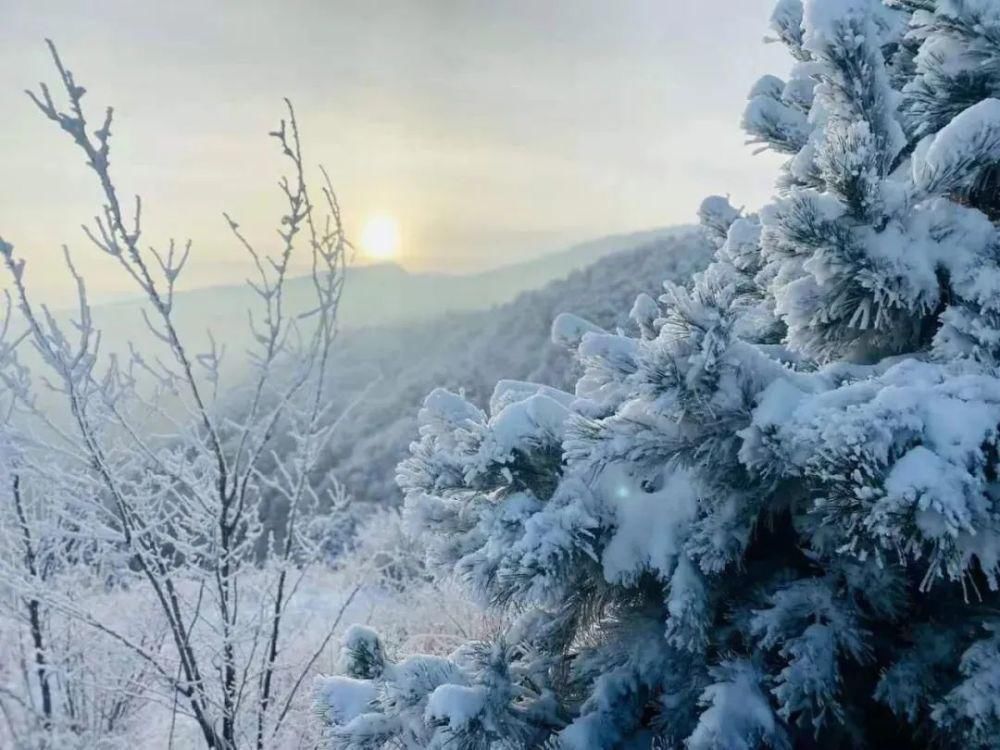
{"x": 731, "y": 485}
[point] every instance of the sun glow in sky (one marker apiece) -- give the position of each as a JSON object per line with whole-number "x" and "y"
{"x": 492, "y": 132}
{"x": 380, "y": 237}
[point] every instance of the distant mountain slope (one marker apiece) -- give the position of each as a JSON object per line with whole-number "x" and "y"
{"x": 375, "y": 296}
{"x": 473, "y": 350}
{"x": 383, "y": 294}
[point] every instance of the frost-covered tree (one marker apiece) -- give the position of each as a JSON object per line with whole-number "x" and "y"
{"x": 150, "y": 495}
{"x": 771, "y": 518}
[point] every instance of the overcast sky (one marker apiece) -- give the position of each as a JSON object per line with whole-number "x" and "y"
{"x": 494, "y": 130}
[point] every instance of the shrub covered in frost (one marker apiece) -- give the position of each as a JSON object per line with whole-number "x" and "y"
{"x": 770, "y": 517}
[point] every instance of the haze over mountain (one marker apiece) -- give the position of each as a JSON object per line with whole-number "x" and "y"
{"x": 380, "y": 294}
{"x": 375, "y": 296}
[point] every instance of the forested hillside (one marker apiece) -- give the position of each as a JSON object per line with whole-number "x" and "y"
{"x": 381, "y": 375}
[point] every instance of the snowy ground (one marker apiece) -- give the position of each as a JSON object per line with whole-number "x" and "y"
{"x": 413, "y": 615}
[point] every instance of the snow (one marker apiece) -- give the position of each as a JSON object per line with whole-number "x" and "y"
{"x": 923, "y": 479}
{"x": 450, "y": 407}
{"x": 508, "y": 392}
{"x": 360, "y": 652}
{"x": 648, "y": 527}
{"x": 360, "y": 638}
{"x": 973, "y": 137}
{"x": 776, "y": 404}
{"x": 824, "y": 21}
{"x": 975, "y": 701}
{"x": 459, "y": 705}
{"x": 569, "y": 329}
{"x": 806, "y": 686}
{"x": 775, "y": 123}
{"x": 644, "y": 311}
{"x": 768, "y": 86}
{"x": 537, "y": 417}
{"x": 369, "y": 725}
{"x": 800, "y": 88}
{"x": 786, "y": 16}
{"x": 344, "y": 698}
{"x": 943, "y": 52}
{"x": 847, "y": 36}
{"x": 619, "y": 351}
{"x": 924, "y": 425}
{"x": 686, "y": 606}
{"x": 737, "y": 715}
{"x": 742, "y": 247}
{"x": 918, "y": 243}
{"x": 715, "y": 211}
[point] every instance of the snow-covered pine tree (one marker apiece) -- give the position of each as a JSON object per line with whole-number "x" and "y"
{"x": 771, "y": 518}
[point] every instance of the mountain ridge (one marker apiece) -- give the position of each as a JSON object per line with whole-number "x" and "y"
{"x": 403, "y": 295}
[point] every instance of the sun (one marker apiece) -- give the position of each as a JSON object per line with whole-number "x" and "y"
{"x": 380, "y": 237}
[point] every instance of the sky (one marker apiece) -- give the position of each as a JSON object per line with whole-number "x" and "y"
{"x": 490, "y": 131}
